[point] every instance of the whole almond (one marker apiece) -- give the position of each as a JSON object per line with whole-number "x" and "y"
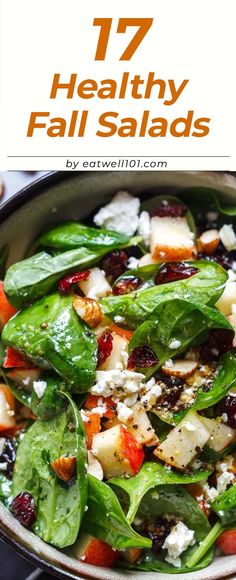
{"x": 64, "y": 467}
{"x": 89, "y": 310}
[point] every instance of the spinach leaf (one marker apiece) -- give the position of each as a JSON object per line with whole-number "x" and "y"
{"x": 106, "y": 521}
{"x": 34, "y": 277}
{"x": 51, "y": 403}
{"x": 185, "y": 321}
{"x": 53, "y": 336}
{"x": 204, "y": 287}
{"x": 70, "y": 235}
{"x": 150, "y": 476}
{"x": 224, "y": 505}
{"x": 152, "y": 564}
{"x": 59, "y": 506}
{"x": 161, "y": 427}
{"x": 177, "y": 501}
{"x": 224, "y": 380}
{"x": 207, "y": 198}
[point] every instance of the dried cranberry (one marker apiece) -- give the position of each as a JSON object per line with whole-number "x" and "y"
{"x": 128, "y": 284}
{"x": 142, "y": 357}
{"x": 23, "y": 509}
{"x": 8, "y": 456}
{"x": 64, "y": 285}
{"x": 219, "y": 341}
{"x": 227, "y": 405}
{"x": 115, "y": 264}
{"x": 104, "y": 346}
{"x": 174, "y": 271}
{"x": 157, "y": 531}
{"x": 168, "y": 209}
{"x": 171, "y": 391}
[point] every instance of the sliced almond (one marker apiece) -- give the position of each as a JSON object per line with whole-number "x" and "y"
{"x": 209, "y": 241}
{"x": 181, "y": 368}
{"x": 64, "y": 467}
{"x": 89, "y": 310}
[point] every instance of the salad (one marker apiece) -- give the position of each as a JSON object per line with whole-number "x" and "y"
{"x": 118, "y": 384}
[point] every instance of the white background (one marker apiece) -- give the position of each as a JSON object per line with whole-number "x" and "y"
{"x": 189, "y": 39}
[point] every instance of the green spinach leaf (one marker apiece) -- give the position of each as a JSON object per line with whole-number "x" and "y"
{"x": 106, "y": 521}
{"x": 224, "y": 505}
{"x": 70, "y": 235}
{"x": 205, "y": 287}
{"x": 175, "y": 500}
{"x": 59, "y": 506}
{"x": 30, "y": 279}
{"x": 150, "y": 476}
{"x": 53, "y": 336}
{"x": 184, "y": 321}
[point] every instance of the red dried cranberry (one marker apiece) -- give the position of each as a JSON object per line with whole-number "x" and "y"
{"x": 8, "y": 456}
{"x": 157, "y": 531}
{"x": 171, "y": 392}
{"x": 227, "y": 405}
{"x": 128, "y": 284}
{"x": 174, "y": 271}
{"x": 115, "y": 264}
{"x": 142, "y": 357}
{"x": 168, "y": 209}
{"x": 64, "y": 285}
{"x": 219, "y": 341}
{"x": 104, "y": 346}
{"x": 23, "y": 509}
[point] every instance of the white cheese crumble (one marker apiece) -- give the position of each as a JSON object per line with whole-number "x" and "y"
{"x": 119, "y": 319}
{"x": 26, "y": 381}
{"x": 132, "y": 263}
{"x": 169, "y": 363}
{"x": 144, "y": 227}
{"x": 39, "y": 388}
{"x": 84, "y": 416}
{"x": 179, "y": 539}
{"x": 151, "y": 396}
{"x": 117, "y": 382}
{"x": 175, "y": 343}
{"x": 209, "y": 492}
{"x": 224, "y": 476}
{"x": 124, "y": 413}
{"x": 121, "y": 214}
{"x": 228, "y": 237}
{"x": 224, "y": 480}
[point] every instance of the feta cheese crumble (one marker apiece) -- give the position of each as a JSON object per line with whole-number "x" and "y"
{"x": 228, "y": 237}
{"x": 119, "y": 319}
{"x": 39, "y": 388}
{"x": 132, "y": 263}
{"x": 121, "y": 214}
{"x": 117, "y": 383}
{"x": 179, "y": 539}
{"x": 144, "y": 227}
{"x": 124, "y": 413}
{"x": 175, "y": 343}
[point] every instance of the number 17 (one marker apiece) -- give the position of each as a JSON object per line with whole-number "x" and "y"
{"x": 105, "y": 27}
